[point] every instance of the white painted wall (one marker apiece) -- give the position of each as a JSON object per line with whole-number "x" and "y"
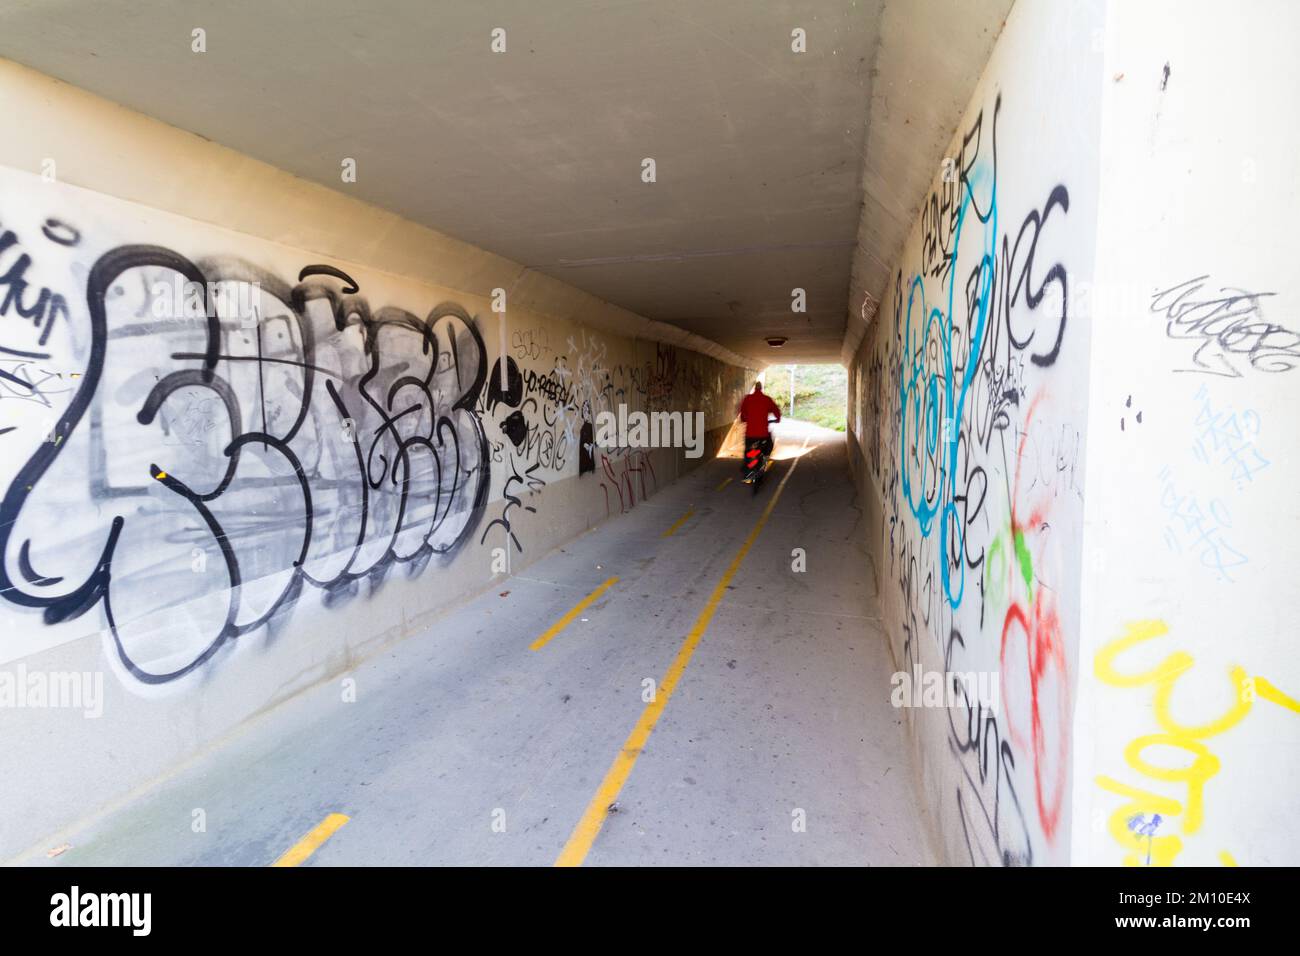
{"x": 970, "y": 405}
{"x": 1192, "y": 524}
{"x": 250, "y": 472}
{"x": 1159, "y": 629}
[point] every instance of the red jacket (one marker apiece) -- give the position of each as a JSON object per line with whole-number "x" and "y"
{"x": 754, "y": 409}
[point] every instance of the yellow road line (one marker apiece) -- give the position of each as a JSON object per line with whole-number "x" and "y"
{"x": 677, "y": 524}
{"x": 565, "y": 621}
{"x": 312, "y": 842}
{"x": 725, "y": 482}
{"x": 588, "y": 828}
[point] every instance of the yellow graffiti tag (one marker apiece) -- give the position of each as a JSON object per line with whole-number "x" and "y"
{"x": 1201, "y": 763}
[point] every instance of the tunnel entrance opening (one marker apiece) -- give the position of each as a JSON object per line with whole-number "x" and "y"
{"x": 811, "y": 393}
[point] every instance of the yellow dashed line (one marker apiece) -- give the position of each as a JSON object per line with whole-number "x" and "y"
{"x": 565, "y": 621}
{"x": 313, "y": 841}
{"x": 677, "y": 524}
{"x": 725, "y": 482}
{"x": 588, "y": 828}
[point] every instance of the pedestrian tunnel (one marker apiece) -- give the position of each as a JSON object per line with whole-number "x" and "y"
{"x": 374, "y": 431}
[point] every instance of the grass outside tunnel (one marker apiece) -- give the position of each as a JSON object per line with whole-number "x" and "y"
{"x": 820, "y": 393}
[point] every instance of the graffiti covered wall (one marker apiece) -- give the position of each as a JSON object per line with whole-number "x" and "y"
{"x": 1189, "y": 706}
{"x": 218, "y": 432}
{"x": 969, "y": 415}
{"x": 232, "y": 465}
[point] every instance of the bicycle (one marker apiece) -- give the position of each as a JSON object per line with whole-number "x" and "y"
{"x": 757, "y": 454}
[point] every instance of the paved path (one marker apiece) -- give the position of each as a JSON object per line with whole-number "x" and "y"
{"x": 465, "y": 746}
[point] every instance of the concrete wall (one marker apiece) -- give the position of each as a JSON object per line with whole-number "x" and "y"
{"x": 222, "y": 506}
{"x": 968, "y": 413}
{"x": 1189, "y": 674}
{"x": 1109, "y": 271}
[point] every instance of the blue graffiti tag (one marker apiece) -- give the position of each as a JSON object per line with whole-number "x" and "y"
{"x": 920, "y": 389}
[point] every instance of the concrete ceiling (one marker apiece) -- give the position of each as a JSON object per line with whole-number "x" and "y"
{"x": 930, "y": 55}
{"x": 536, "y": 154}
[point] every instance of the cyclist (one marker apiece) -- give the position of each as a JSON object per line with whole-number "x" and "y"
{"x": 754, "y": 409}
